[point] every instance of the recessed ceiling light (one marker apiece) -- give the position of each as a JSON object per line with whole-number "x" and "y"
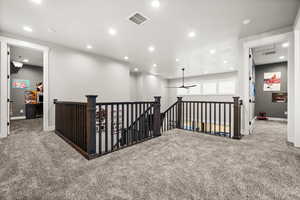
{"x": 225, "y": 61}
{"x": 136, "y": 69}
{"x": 192, "y": 34}
{"x": 112, "y": 31}
{"x": 25, "y": 60}
{"x": 177, "y": 60}
{"x": 281, "y": 57}
{"x": 247, "y": 21}
{"x": 155, "y": 4}
{"x": 126, "y": 58}
{"x": 27, "y": 28}
{"x": 154, "y": 65}
{"x": 36, "y": 1}
{"x": 212, "y": 51}
{"x": 89, "y": 46}
{"x": 285, "y": 45}
{"x": 151, "y": 48}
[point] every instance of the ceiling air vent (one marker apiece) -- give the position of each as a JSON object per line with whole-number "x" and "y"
{"x": 138, "y": 19}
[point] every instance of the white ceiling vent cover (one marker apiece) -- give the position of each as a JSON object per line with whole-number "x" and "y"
{"x": 138, "y": 18}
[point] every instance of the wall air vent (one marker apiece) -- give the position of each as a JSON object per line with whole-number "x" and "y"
{"x": 138, "y": 18}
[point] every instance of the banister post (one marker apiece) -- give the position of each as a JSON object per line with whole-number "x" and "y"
{"x": 156, "y": 117}
{"x": 91, "y": 124}
{"x": 179, "y": 112}
{"x": 237, "y": 118}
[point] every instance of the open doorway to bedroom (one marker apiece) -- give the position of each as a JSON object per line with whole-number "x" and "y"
{"x": 269, "y": 82}
{"x": 25, "y": 90}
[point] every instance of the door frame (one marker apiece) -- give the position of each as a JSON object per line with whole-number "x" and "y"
{"x": 261, "y": 41}
{"x": 5, "y": 42}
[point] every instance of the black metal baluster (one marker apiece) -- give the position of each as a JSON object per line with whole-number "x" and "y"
{"x": 201, "y": 124}
{"x": 112, "y": 127}
{"x": 190, "y": 112}
{"x": 215, "y": 118}
{"x": 100, "y": 129}
{"x": 123, "y": 136}
{"x": 198, "y": 117}
{"x": 230, "y": 120}
{"x": 220, "y": 112}
{"x": 205, "y": 112}
{"x": 127, "y": 124}
{"x": 210, "y": 118}
{"x": 136, "y": 124}
{"x": 225, "y": 119}
{"x": 118, "y": 131}
{"x": 194, "y": 116}
{"x": 106, "y": 128}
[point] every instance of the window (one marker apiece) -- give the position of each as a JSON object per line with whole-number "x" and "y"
{"x": 227, "y": 87}
{"x": 210, "y": 88}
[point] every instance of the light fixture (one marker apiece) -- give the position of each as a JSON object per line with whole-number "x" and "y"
{"x": 192, "y": 34}
{"x": 17, "y": 64}
{"x": 154, "y": 65}
{"x": 225, "y": 61}
{"x": 126, "y": 58}
{"x": 151, "y": 48}
{"x": 177, "y": 60}
{"x": 155, "y": 4}
{"x": 25, "y": 60}
{"x": 136, "y": 69}
{"x": 27, "y": 28}
{"x": 212, "y": 51}
{"x": 112, "y": 31}
{"x": 247, "y": 21}
{"x": 281, "y": 57}
{"x": 36, "y": 1}
{"x": 89, "y": 46}
{"x": 285, "y": 45}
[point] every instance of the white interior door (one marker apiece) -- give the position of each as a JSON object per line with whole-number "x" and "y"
{"x": 9, "y": 110}
{"x": 251, "y": 91}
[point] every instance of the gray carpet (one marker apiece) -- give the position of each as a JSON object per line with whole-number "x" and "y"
{"x": 179, "y": 165}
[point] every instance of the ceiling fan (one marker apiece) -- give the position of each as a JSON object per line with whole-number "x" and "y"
{"x": 184, "y": 86}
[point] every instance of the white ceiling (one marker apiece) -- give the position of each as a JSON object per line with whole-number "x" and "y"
{"x": 217, "y": 24}
{"x": 19, "y": 54}
{"x": 270, "y": 54}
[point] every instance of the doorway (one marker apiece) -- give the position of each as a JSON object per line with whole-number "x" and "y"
{"x": 249, "y": 104}
{"x": 25, "y": 89}
{"x": 270, "y": 68}
{"x": 6, "y": 104}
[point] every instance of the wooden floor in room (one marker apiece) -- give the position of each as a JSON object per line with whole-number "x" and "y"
{"x": 178, "y": 165}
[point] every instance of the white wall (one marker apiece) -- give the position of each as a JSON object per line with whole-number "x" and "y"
{"x": 145, "y": 86}
{"x": 200, "y": 80}
{"x": 74, "y": 74}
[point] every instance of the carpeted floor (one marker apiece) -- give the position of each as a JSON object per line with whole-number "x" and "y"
{"x": 179, "y": 165}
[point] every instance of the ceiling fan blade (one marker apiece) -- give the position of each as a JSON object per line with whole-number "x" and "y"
{"x": 190, "y": 86}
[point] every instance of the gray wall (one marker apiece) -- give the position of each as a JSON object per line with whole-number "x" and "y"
{"x": 263, "y": 100}
{"x": 32, "y": 73}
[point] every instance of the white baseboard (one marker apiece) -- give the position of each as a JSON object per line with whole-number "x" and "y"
{"x": 277, "y": 119}
{"x": 50, "y": 128}
{"x": 18, "y": 118}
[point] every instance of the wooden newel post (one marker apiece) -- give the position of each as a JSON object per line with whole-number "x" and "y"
{"x": 237, "y": 118}
{"x": 179, "y": 112}
{"x": 91, "y": 123}
{"x": 156, "y": 117}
